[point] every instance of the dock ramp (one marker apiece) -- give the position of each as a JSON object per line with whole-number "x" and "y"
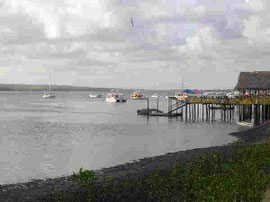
{"x": 176, "y": 106}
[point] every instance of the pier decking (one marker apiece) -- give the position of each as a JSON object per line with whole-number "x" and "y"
{"x": 249, "y": 108}
{"x": 262, "y": 100}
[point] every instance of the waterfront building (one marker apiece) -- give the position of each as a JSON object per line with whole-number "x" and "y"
{"x": 254, "y": 83}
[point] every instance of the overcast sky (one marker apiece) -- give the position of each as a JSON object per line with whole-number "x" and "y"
{"x": 92, "y": 42}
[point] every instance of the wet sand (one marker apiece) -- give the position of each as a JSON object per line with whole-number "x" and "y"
{"x": 39, "y": 190}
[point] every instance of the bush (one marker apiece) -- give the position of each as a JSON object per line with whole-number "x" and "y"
{"x": 215, "y": 176}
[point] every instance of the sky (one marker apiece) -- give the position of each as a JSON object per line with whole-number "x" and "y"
{"x": 93, "y": 43}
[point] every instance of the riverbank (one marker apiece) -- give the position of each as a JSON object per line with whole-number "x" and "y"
{"x": 40, "y": 190}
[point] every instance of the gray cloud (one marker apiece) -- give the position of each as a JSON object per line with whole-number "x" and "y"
{"x": 95, "y": 40}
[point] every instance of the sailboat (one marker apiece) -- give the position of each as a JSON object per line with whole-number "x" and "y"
{"x": 181, "y": 95}
{"x": 48, "y": 94}
{"x": 155, "y": 95}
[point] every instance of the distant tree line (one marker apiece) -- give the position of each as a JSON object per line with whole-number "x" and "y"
{"x": 30, "y": 87}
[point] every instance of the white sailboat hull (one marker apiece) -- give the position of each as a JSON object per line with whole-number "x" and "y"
{"x": 48, "y": 96}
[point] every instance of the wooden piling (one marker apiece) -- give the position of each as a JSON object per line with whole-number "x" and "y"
{"x": 198, "y": 111}
{"x": 147, "y": 99}
{"x": 157, "y": 103}
{"x": 186, "y": 111}
{"x": 202, "y": 112}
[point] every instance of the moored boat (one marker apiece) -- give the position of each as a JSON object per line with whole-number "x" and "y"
{"x": 115, "y": 97}
{"x": 181, "y": 96}
{"x": 137, "y": 96}
{"x": 48, "y": 95}
{"x": 155, "y": 96}
{"x": 95, "y": 95}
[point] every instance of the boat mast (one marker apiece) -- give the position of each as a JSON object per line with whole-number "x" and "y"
{"x": 50, "y": 86}
{"x": 182, "y": 84}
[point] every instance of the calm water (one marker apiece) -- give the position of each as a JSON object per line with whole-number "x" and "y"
{"x": 48, "y": 138}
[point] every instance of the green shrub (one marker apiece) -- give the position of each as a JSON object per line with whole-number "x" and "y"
{"x": 86, "y": 179}
{"x": 215, "y": 176}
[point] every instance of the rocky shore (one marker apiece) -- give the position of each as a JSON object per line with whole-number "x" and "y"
{"x": 39, "y": 190}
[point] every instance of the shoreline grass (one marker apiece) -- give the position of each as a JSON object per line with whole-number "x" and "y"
{"x": 240, "y": 175}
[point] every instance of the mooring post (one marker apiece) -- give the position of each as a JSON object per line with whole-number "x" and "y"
{"x": 240, "y": 112}
{"x": 228, "y": 113}
{"x": 202, "y": 112}
{"x": 259, "y": 112}
{"x": 224, "y": 112}
{"x": 207, "y": 112}
{"x": 263, "y": 108}
{"x": 168, "y": 104}
{"x": 250, "y": 112}
{"x": 182, "y": 112}
{"x": 244, "y": 112}
{"x": 210, "y": 112}
{"x": 267, "y": 112}
{"x": 256, "y": 113}
{"x": 194, "y": 112}
{"x": 230, "y": 108}
{"x": 147, "y": 106}
{"x": 258, "y": 108}
{"x": 186, "y": 111}
{"x": 189, "y": 112}
{"x": 198, "y": 111}
{"x": 157, "y": 103}
{"x": 213, "y": 112}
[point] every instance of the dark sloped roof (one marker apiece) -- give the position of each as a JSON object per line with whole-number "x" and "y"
{"x": 254, "y": 80}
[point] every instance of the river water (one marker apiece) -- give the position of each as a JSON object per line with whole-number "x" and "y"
{"x": 42, "y": 138}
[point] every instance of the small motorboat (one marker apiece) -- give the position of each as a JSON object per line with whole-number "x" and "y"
{"x": 137, "y": 96}
{"x": 95, "y": 95}
{"x": 115, "y": 97}
{"x": 155, "y": 96}
{"x": 181, "y": 96}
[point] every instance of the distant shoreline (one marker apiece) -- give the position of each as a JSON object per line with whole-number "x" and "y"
{"x": 42, "y": 87}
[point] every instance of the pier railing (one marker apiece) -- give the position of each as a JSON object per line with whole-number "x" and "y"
{"x": 176, "y": 106}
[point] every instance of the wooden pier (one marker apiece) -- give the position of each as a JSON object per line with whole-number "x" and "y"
{"x": 252, "y": 108}
{"x": 252, "y": 101}
{"x": 249, "y": 108}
